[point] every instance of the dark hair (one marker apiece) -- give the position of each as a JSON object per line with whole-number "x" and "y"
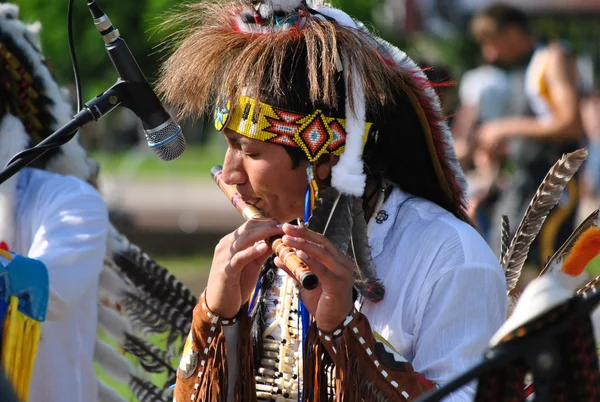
{"x": 396, "y": 147}
{"x": 505, "y": 16}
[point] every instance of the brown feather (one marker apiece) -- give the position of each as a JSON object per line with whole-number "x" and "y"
{"x": 565, "y": 249}
{"x": 543, "y": 201}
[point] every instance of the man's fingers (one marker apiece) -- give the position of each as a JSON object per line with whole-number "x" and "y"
{"x": 248, "y": 234}
{"x": 318, "y": 253}
{"x": 244, "y": 257}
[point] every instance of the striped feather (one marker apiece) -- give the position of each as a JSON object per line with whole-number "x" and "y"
{"x": 543, "y": 201}
{"x": 505, "y": 238}
{"x": 152, "y": 317}
{"x": 152, "y": 358}
{"x": 145, "y": 391}
{"x": 153, "y": 279}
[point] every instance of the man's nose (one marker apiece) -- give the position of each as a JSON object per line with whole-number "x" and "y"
{"x": 233, "y": 170}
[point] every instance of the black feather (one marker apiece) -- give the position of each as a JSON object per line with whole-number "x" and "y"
{"x": 154, "y": 317}
{"x": 151, "y": 358}
{"x": 365, "y": 276}
{"x": 145, "y": 391}
{"x": 153, "y": 279}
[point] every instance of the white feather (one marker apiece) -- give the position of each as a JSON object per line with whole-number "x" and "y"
{"x": 114, "y": 323}
{"x": 107, "y": 394}
{"x": 116, "y": 365}
{"x": 111, "y": 282}
{"x": 14, "y": 139}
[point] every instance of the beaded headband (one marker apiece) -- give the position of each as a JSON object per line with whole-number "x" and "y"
{"x": 316, "y": 134}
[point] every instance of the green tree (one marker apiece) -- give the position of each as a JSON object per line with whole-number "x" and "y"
{"x": 132, "y": 18}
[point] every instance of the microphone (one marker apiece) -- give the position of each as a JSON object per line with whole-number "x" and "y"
{"x": 164, "y": 136}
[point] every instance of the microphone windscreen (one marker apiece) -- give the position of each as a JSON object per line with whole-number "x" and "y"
{"x": 167, "y": 141}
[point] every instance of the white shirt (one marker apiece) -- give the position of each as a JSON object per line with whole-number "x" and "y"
{"x": 63, "y": 222}
{"x": 445, "y": 290}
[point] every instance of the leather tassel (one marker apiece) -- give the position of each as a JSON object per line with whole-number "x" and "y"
{"x": 317, "y": 364}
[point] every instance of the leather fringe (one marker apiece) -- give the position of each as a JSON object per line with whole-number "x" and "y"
{"x": 345, "y": 368}
{"x": 245, "y": 388}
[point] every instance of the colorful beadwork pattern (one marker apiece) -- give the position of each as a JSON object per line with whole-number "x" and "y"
{"x": 315, "y": 133}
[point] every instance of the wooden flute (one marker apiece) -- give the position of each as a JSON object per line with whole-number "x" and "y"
{"x": 287, "y": 254}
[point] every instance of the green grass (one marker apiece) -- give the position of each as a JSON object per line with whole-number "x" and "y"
{"x": 593, "y": 267}
{"x": 195, "y": 162}
{"x": 186, "y": 265}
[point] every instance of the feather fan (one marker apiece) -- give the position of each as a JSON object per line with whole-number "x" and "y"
{"x": 592, "y": 220}
{"x": 145, "y": 391}
{"x": 365, "y": 277}
{"x": 340, "y": 218}
{"x": 332, "y": 216}
{"x": 543, "y": 201}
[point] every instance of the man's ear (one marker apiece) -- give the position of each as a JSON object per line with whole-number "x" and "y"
{"x": 323, "y": 167}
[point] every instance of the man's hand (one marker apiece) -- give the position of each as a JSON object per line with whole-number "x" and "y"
{"x": 236, "y": 265}
{"x": 331, "y": 301}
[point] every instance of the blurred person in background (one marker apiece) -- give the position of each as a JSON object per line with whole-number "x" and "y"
{"x": 539, "y": 122}
{"x": 590, "y": 113}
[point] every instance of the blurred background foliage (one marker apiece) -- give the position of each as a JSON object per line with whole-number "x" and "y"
{"x": 137, "y": 21}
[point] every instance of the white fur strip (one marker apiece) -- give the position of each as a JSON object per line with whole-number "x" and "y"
{"x": 347, "y": 175}
{"x": 116, "y": 365}
{"x": 14, "y": 139}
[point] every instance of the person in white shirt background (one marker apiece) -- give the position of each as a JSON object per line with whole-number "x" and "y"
{"x": 47, "y": 213}
{"x": 445, "y": 293}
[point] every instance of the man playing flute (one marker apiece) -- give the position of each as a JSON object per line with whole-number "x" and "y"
{"x": 337, "y": 138}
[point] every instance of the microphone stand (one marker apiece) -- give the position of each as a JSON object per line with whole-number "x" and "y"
{"x": 539, "y": 349}
{"x": 118, "y": 94}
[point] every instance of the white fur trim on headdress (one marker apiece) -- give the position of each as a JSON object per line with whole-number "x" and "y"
{"x": 348, "y": 175}
{"x": 13, "y": 139}
{"x": 72, "y": 158}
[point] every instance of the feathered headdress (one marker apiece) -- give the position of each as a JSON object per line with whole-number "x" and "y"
{"x": 137, "y": 297}
{"x": 303, "y": 74}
